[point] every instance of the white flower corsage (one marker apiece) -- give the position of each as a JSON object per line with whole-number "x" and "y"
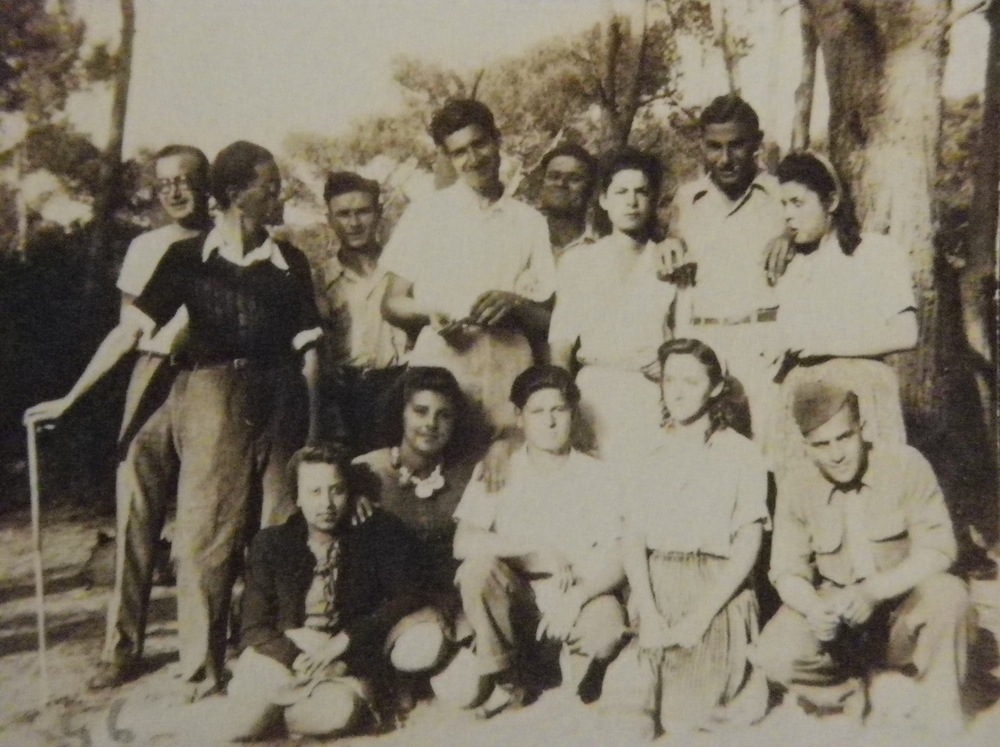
{"x": 423, "y": 487}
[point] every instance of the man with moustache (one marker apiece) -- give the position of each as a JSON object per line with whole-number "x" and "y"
{"x": 235, "y": 411}
{"x": 471, "y": 273}
{"x": 568, "y": 176}
{"x": 862, "y": 547}
{"x": 147, "y": 472}
{"x": 361, "y": 354}
{"x": 721, "y": 228}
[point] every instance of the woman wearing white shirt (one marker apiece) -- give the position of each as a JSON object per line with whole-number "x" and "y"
{"x": 846, "y": 300}
{"x": 612, "y": 313}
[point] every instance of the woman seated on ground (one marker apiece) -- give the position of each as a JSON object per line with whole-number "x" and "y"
{"x": 323, "y": 590}
{"x": 612, "y": 312}
{"x": 846, "y": 300}
{"x": 540, "y": 556}
{"x": 421, "y": 481}
{"x": 695, "y": 511}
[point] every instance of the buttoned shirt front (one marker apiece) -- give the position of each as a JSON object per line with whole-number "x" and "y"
{"x": 902, "y": 509}
{"x": 350, "y": 307}
{"x": 588, "y": 237}
{"x": 728, "y": 240}
{"x": 695, "y": 497}
{"x": 453, "y": 248}
{"x": 572, "y": 509}
{"x": 620, "y": 318}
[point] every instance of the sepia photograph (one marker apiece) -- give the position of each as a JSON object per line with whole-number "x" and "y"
{"x": 586, "y": 373}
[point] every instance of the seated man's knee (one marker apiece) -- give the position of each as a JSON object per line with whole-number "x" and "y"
{"x": 460, "y": 683}
{"x": 249, "y": 709}
{"x": 332, "y": 707}
{"x": 419, "y": 647}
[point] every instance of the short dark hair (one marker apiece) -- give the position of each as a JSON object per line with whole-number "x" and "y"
{"x": 812, "y": 173}
{"x": 537, "y": 378}
{"x": 359, "y": 476}
{"x": 342, "y": 182}
{"x": 428, "y": 379}
{"x": 458, "y": 114}
{"x": 236, "y": 166}
{"x": 177, "y": 149}
{"x": 729, "y": 108}
{"x": 633, "y": 159}
{"x": 572, "y": 150}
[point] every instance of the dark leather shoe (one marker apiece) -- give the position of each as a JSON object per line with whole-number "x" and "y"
{"x": 112, "y": 674}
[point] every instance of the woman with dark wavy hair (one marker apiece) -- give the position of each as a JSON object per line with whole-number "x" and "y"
{"x": 846, "y": 301}
{"x": 612, "y": 312}
{"x": 421, "y": 479}
{"x": 695, "y": 513}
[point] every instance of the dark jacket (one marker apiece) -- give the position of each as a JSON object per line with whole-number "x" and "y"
{"x": 379, "y": 582}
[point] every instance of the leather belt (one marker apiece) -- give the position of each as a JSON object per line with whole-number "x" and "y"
{"x": 760, "y": 315}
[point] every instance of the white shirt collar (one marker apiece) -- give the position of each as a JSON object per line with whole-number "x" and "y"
{"x": 230, "y": 250}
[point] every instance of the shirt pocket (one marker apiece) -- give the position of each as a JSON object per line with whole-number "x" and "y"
{"x": 889, "y": 537}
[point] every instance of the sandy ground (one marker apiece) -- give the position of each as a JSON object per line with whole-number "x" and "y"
{"x": 149, "y": 711}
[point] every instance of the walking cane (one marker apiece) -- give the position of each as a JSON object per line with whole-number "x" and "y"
{"x": 36, "y": 540}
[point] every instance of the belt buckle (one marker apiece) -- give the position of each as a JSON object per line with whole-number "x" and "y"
{"x": 240, "y": 363}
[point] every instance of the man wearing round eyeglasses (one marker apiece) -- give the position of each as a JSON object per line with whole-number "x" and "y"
{"x": 148, "y": 468}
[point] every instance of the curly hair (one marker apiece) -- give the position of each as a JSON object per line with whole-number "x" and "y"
{"x": 428, "y": 379}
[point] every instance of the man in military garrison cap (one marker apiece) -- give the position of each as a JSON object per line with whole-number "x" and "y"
{"x": 862, "y": 547}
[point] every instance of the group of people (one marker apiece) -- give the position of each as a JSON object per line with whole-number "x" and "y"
{"x": 554, "y": 449}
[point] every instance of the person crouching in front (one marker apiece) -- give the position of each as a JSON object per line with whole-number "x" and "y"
{"x": 323, "y": 591}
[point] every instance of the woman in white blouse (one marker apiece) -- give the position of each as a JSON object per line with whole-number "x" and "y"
{"x": 845, "y": 301}
{"x": 695, "y": 513}
{"x": 612, "y": 313}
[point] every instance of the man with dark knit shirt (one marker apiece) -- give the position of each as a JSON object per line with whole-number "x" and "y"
{"x": 236, "y": 410}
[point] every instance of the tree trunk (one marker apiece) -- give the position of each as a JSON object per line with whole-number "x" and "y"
{"x": 112, "y": 160}
{"x": 979, "y": 277}
{"x": 884, "y": 65}
{"x": 730, "y": 57}
{"x": 807, "y": 86}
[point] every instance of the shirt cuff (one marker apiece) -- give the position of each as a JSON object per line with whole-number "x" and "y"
{"x": 306, "y": 338}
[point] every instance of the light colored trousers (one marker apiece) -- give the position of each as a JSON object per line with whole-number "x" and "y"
{"x": 227, "y": 434}
{"x": 927, "y": 636}
{"x": 491, "y": 593}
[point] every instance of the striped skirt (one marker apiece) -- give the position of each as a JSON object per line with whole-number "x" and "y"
{"x": 712, "y": 683}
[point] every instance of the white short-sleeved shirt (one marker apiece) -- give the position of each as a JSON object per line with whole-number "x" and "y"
{"x": 828, "y": 293}
{"x": 694, "y": 498}
{"x": 728, "y": 240}
{"x": 453, "y": 249}
{"x": 572, "y": 510}
{"x": 141, "y": 259}
{"x": 619, "y": 318}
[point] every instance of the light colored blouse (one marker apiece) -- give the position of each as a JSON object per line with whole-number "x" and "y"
{"x": 620, "y": 318}
{"x": 694, "y": 497}
{"x": 828, "y": 295}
